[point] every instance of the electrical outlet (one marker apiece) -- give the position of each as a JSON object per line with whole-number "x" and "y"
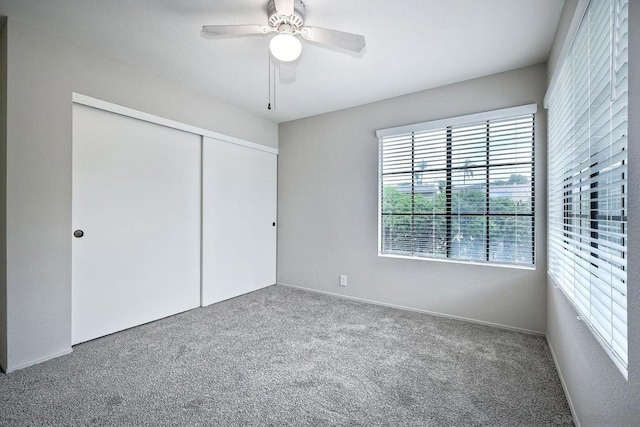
{"x": 343, "y": 280}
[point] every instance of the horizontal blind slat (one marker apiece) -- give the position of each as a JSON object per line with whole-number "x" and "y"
{"x": 470, "y": 169}
{"x": 588, "y": 174}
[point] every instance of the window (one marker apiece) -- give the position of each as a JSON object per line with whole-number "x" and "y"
{"x": 459, "y": 188}
{"x": 588, "y": 175}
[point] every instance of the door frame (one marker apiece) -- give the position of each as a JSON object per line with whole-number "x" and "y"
{"x": 152, "y": 118}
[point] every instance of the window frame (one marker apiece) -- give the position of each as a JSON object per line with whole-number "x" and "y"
{"x": 446, "y": 125}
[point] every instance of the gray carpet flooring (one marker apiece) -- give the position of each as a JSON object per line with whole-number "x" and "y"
{"x": 282, "y": 356}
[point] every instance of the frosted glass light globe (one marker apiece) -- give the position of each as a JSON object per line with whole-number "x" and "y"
{"x": 285, "y": 47}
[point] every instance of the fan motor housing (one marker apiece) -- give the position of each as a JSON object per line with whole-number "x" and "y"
{"x": 296, "y": 20}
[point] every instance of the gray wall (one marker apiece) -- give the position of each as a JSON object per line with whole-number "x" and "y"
{"x": 561, "y": 32}
{"x": 3, "y": 193}
{"x": 42, "y": 74}
{"x": 327, "y": 208}
{"x": 598, "y": 392}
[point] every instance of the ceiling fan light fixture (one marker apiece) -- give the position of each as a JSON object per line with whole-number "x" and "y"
{"x": 285, "y": 47}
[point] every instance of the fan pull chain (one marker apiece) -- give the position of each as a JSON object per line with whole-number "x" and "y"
{"x": 269, "y": 82}
{"x": 272, "y": 81}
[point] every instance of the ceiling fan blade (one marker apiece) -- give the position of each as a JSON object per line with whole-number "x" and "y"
{"x": 347, "y": 41}
{"x": 221, "y": 31}
{"x": 285, "y": 7}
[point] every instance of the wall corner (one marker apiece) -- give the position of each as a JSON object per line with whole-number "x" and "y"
{"x": 3, "y": 193}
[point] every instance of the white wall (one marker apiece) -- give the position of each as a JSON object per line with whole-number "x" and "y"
{"x": 327, "y": 208}
{"x": 597, "y": 391}
{"x": 42, "y": 74}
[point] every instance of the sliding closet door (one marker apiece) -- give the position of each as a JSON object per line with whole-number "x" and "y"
{"x": 239, "y": 214}
{"x": 136, "y": 198}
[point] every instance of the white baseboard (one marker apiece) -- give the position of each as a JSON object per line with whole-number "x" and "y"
{"x": 417, "y": 310}
{"x": 39, "y": 360}
{"x": 564, "y": 385}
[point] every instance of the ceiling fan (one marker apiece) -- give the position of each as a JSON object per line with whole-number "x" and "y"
{"x": 286, "y": 18}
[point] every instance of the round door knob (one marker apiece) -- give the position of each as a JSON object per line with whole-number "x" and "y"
{"x": 78, "y": 233}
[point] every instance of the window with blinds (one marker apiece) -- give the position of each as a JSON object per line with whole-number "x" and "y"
{"x": 460, "y": 188}
{"x": 587, "y": 106}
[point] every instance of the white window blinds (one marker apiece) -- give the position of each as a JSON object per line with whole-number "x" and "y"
{"x": 588, "y": 175}
{"x": 460, "y": 188}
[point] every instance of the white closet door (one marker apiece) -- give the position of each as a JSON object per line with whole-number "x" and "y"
{"x": 239, "y": 214}
{"x": 136, "y": 196}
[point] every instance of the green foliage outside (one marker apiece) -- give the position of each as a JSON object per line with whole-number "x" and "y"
{"x": 510, "y": 237}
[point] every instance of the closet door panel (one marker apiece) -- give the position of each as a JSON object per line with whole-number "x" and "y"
{"x": 136, "y": 197}
{"x": 239, "y": 213}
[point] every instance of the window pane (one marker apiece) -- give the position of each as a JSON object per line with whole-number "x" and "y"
{"x": 430, "y": 193}
{"x": 430, "y": 152}
{"x": 468, "y": 194}
{"x": 397, "y": 235}
{"x": 511, "y": 141}
{"x": 431, "y": 236}
{"x": 510, "y": 239}
{"x": 469, "y": 145}
{"x": 396, "y": 199}
{"x": 468, "y": 238}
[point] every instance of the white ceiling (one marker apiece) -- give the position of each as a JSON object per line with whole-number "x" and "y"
{"x": 412, "y": 45}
